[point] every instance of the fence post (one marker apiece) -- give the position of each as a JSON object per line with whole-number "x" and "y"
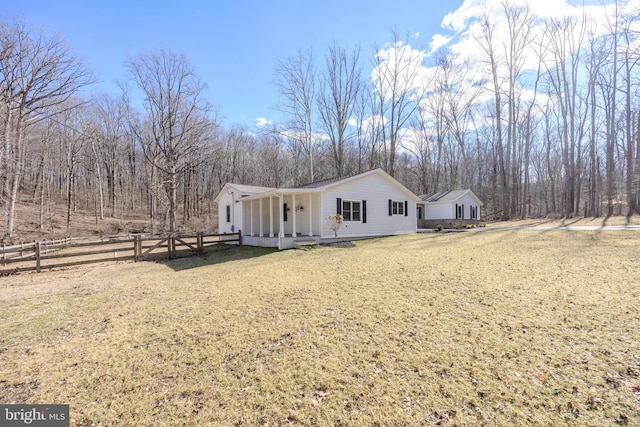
{"x": 137, "y": 248}
{"x": 37, "y": 257}
{"x": 171, "y": 246}
{"x": 200, "y": 243}
{"x": 239, "y": 237}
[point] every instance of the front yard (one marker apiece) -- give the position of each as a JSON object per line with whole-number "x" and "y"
{"x": 489, "y": 328}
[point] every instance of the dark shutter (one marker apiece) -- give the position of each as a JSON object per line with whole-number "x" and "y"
{"x": 338, "y": 206}
{"x": 284, "y": 212}
{"x": 462, "y": 212}
{"x": 364, "y": 211}
{"x": 406, "y": 208}
{"x": 390, "y": 207}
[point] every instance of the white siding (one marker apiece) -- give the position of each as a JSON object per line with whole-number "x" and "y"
{"x": 440, "y": 211}
{"x": 447, "y": 210}
{"x": 225, "y": 200}
{"x": 376, "y": 189}
{"x": 468, "y": 201}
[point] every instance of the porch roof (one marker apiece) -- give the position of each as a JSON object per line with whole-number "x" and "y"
{"x": 282, "y": 192}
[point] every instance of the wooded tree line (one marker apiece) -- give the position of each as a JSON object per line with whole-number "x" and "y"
{"x": 560, "y": 137}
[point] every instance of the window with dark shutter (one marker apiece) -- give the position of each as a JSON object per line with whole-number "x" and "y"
{"x": 228, "y": 213}
{"x": 397, "y": 208}
{"x": 351, "y": 210}
{"x": 364, "y": 211}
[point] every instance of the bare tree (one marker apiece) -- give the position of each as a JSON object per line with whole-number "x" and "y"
{"x": 109, "y": 144}
{"x": 630, "y": 58}
{"x": 565, "y": 38}
{"x": 71, "y": 141}
{"x": 488, "y": 45}
{"x": 340, "y": 85}
{"x": 296, "y": 81}
{"x": 400, "y": 83}
{"x": 177, "y": 117}
{"x": 459, "y": 91}
{"x": 37, "y": 73}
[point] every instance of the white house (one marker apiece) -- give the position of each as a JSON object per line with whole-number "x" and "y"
{"x": 450, "y": 205}
{"x": 371, "y": 204}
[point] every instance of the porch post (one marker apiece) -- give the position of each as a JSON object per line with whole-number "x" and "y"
{"x": 293, "y": 205}
{"x": 251, "y": 214}
{"x": 310, "y": 216}
{"x": 260, "y": 210}
{"x": 271, "y": 216}
{"x": 281, "y": 219}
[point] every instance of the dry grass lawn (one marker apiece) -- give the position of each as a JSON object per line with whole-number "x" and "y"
{"x": 474, "y": 328}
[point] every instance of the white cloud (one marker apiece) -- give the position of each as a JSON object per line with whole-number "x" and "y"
{"x": 437, "y": 41}
{"x": 457, "y": 20}
{"x": 263, "y": 122}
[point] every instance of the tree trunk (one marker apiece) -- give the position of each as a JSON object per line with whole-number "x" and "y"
{"x": 15, "y": 178}
{"x": 173, "y": 197}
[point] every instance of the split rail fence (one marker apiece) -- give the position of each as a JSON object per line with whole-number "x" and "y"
{"x": 50, "y": 254}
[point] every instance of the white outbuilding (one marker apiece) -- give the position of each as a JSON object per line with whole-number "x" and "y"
{"x": 450, "y": 205}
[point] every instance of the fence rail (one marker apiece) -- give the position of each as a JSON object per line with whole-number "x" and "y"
{"x": 79, "y": 251}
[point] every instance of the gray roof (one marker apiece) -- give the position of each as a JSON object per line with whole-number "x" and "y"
{"x": 325, "y": 182}
{"x": 443, "y": 196}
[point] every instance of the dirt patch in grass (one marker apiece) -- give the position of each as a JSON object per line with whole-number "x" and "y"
{"x": 496, "y": 328}
{"x": 345, "y": 244}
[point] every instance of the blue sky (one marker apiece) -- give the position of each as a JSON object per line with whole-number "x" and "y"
{"x": 234, "y": 45}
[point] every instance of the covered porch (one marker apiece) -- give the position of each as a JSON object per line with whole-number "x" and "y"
{"x": 279, "y": 218}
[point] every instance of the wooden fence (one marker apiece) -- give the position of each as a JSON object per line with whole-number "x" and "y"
{"x": 77, "y": 251}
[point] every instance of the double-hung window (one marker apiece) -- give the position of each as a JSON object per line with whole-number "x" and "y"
{"x": 351, "y": 210}
{"x": 397, "y": 208}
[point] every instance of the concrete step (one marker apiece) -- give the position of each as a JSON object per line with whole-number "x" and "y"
{"x": 305, "y": 244}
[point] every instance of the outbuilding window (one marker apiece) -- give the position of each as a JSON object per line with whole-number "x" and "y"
{"x": 228, "y": 213}
{"x": 351, "y": 210}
